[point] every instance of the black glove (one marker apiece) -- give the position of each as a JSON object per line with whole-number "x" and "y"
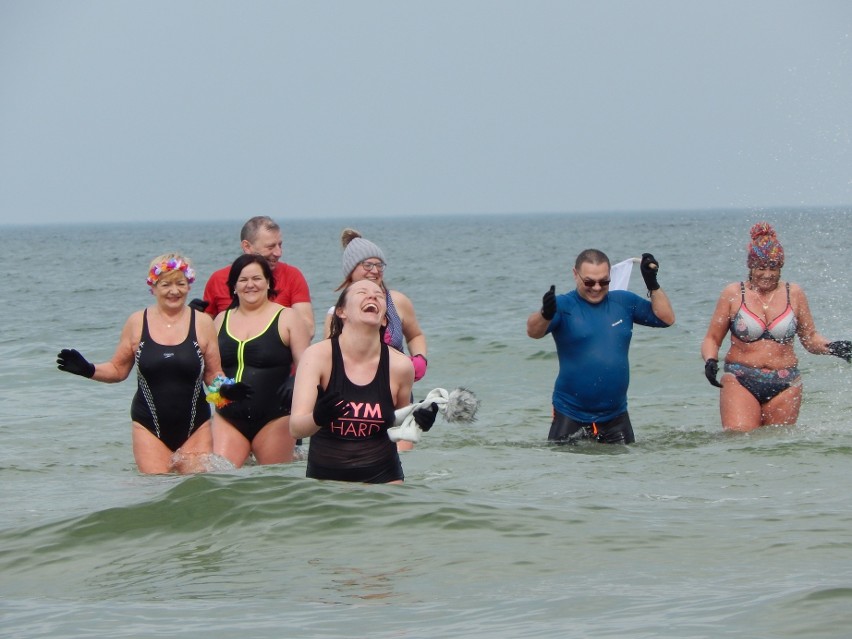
{"x": 425, "y": 417}
{"x": 548, "y": 304}
{"x": 649, "y": 268}
{"x": 199, "y": 305}
{"x": 236, "y": 392}
{"x": 71, "y": 361}
{"x": 842, "y": 349}
{"x": 285, "y": 395}
{"x": 711, "y": 369}
{"x": 329, "y": 406}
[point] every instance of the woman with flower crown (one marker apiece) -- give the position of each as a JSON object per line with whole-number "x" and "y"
{"x": 761, "y": 383}
{"x": 177, "y": 355}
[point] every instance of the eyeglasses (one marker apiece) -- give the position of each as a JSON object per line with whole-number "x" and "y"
{"x": 591, "y": 283}
{"x": 369, "y": 266}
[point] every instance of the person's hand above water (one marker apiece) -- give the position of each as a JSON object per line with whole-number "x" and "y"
{"x": 841, "y": 349}
{"x": 649, "y": 268}
{"x": 711, "y": 370}
{"x": 70, "y": 361}
{"x": 425, "y": 417}
{"x": 329, "y": 406}
{"x": 548, "y": 304}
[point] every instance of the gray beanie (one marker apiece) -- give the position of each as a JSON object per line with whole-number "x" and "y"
{"x": 357, "y": 251}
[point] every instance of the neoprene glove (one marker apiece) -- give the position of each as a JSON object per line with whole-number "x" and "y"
{"x": 842, "y": 349}
{"x": 649, "y": 267}
{"x": 329, "y": 406}
{"x": 199, "y": 305}
{"x": 425, "y": 417}
{"x": 236, "y": 392}
{"x": 548, "y": 304}
{"x": 420, "y": 364}
{"x": 711, "y": 370}
{"x": 70, "y": 361}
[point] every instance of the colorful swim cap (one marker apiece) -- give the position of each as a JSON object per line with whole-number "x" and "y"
{"x": 764, "y": 250}
{"x": 168, "y": 263}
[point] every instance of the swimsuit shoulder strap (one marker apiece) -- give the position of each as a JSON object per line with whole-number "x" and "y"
{"x": 742, "y": 290}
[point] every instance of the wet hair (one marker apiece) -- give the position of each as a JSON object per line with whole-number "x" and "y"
{"x": 237, "y": 268}
{"x": 592, "y": 256}
{"x": 336, "y": 327}
{"x": 254, "y": 225}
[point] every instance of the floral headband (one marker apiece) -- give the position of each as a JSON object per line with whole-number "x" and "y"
{"x": 164, "y": 268}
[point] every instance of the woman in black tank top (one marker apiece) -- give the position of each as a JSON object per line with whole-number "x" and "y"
{"x": 177, "y": 353}
{"x": 347, "y": 389}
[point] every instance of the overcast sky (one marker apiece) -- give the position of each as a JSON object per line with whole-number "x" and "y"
{"x": 194, "y": 109}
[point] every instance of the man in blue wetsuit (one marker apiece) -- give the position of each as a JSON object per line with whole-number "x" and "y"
{"x": 592, "y": 327}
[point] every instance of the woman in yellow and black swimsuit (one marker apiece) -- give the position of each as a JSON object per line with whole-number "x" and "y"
{"x": 761, "y": 383}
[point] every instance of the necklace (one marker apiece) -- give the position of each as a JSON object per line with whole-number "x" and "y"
{"x": 174, "y": 321}
{"x": 768, "y": 302}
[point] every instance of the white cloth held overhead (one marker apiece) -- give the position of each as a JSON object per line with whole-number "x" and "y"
{"x": 619, "y": 275}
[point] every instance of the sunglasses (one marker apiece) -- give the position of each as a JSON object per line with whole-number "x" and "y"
{"x": 591, "y": 283}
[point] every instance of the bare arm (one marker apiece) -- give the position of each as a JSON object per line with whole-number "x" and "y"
{"x": 411, "y": 330}
{"x": 314, "y": 369}
{"x": 119, "y": 366}
{"x": 537, "y": 325}
{"x": 294, "y": 333}
{"x": 813, "y": 341}
{"x": 662, "y": 307}
{"x": 719, "y": 324}
{"x": 208, "y": 341}
{"x": 306, "y": 312}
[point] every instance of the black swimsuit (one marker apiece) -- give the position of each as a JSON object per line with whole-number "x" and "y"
{"x": 170, "y": 399}
{"x": 357, "y": 448}
{"x": 263, "y": 362}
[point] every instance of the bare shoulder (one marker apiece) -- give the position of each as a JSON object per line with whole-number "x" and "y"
{"x": 399, "y": 360}
{"x": 318, "y": 350}
{"x": 400, "y": 299}
{"x": 203, "y": 320}
{"x": 134, "y": 322}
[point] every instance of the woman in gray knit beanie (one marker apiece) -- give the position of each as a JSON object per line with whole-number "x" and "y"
{"x": 363, "y": 260}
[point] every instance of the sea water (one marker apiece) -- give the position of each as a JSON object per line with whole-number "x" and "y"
{"x": 690, "y": 532}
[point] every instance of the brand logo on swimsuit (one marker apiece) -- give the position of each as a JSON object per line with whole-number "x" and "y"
{"x": 168, "y": 355}
{"x": 618, "y": 322}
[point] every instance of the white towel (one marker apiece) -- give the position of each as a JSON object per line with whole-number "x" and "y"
{"x": 619, "y": 275}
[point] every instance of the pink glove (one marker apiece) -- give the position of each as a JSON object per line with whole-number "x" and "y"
{"x": 419, "y": 366}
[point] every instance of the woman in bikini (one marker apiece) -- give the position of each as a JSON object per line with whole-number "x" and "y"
{"x": 761, "y": 383}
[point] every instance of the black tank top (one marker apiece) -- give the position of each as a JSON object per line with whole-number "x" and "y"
{"x": 169, "y": 400}
{"x": 361, "y": 439}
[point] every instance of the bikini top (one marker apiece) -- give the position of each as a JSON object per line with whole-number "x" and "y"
{"x": 748, "y": 327}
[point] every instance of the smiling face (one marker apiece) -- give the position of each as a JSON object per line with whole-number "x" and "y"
{"x": 764, "y": 279}
{"x": 592, "y": 281}
{"x": 266, "y": 243}
{"x": 171, "y": 290}
{"x": 372, "y": 269}
{"x": 364, "y": 301}
{"x": 252, "y": 285}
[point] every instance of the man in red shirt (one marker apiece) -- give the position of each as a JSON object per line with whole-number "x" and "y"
{"x": 261, "y": 235}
